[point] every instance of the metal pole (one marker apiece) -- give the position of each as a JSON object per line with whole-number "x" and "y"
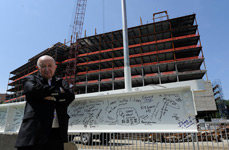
{"x": 127, "y": 71}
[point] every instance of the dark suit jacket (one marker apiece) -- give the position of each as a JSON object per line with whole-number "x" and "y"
{"x": 38, "y": 115}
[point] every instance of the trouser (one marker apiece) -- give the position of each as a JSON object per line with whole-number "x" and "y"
{"x": 54, "y": 143}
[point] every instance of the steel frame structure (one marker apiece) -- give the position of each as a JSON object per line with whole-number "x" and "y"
{"x": 160, "y": 52}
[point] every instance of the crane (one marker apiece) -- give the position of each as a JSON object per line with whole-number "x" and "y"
{"x": 70, "y": 73}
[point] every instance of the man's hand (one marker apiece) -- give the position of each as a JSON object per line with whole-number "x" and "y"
{"x": 50, "y": 98}
{"x": 62, "y": 90}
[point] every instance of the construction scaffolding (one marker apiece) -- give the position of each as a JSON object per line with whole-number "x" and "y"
{"x": 160, "y": 52}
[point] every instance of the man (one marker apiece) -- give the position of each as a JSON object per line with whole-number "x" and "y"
{"x": 45, "y": 122}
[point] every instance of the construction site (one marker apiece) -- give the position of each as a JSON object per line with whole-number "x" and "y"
{"x": 161, "y": 52}
{"x": 171, "y": 104}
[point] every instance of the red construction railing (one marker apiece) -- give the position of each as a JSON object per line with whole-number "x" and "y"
{"x": 138, "y": 55}
{"x": 135, "y": 45}
{"x": 136, "y": 77}
{"x": 13, "y": 99}
{"x": 139, "y": 65}
{"x": 106, "y": 80}
{"x": 68, "y": 77}
{"x": 22, "y": 77}
{"x": 168, "y": 73}
{"x": 151, "y": 74}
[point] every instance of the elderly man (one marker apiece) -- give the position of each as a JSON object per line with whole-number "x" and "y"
{"x": 45, "y": 121}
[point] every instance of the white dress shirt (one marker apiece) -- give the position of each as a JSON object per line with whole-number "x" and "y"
{"x": 55, "y": 122}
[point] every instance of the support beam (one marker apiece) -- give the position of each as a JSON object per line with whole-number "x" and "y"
{"x": 127, "y": 71}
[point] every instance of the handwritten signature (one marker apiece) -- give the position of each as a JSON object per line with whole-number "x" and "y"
{"x": 186, "y": 123}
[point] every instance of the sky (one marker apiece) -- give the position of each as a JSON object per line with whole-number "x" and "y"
{"x": 27, "y": 27}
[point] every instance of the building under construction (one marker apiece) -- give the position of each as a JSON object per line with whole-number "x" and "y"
{"x": 160, "y": 52}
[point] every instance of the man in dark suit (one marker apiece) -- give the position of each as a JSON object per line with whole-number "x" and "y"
{"x": 45, "y": 121}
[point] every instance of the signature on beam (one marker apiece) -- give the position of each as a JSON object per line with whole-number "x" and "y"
{"x": 186, "y": 123}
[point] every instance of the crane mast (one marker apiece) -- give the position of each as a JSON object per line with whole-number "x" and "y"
{"x": 70, "y": 74}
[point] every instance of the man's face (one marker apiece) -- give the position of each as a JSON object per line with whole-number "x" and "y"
{"x": 47, "y": 67}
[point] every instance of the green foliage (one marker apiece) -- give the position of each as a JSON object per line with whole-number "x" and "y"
{"x": 226, "y": 102}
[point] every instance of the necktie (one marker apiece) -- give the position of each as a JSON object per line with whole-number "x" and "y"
{"x": 55, "y": 122}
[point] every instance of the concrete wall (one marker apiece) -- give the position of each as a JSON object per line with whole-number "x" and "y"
{"x": 204, "y": 100}
{"x": 7, "y": 141}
